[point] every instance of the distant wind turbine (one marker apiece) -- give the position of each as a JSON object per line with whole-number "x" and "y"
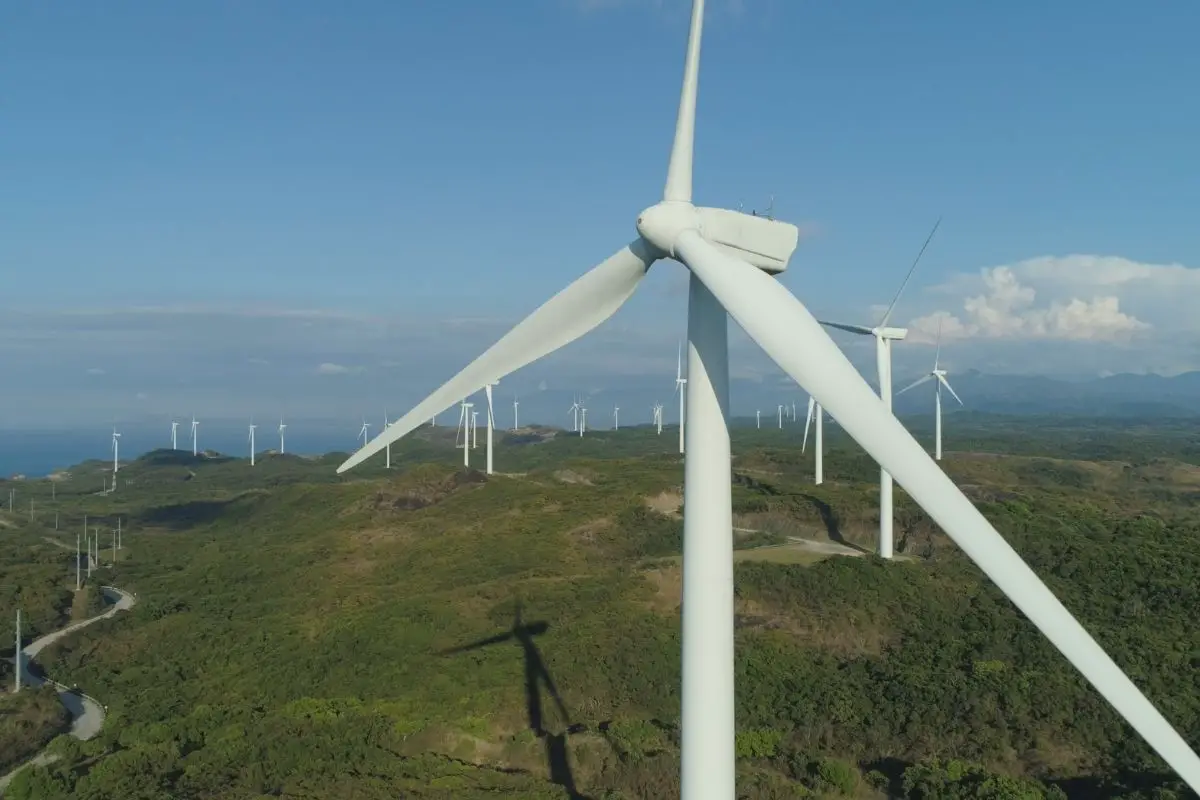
{"x": 658, "y": 417}
{"x": 282, "y": 428}
{"x": 516, "y": 424}
{"x": 362, "y": 432}
{"x": 195, "y": 425}
{"x": 388, "y": 457}
{"x": 884, "y": 336}
{"x": 574, "y": 411}
{"x": 758, "y": 418}
{"x": 474, "y": 429}
{"x": 491, "y": 423}
{"x": 174, "y": 435}
{"x": 781, "y": 416}
{"x": 938, "y": 375}
{"x": 464, "y": 425}
{"x": 582, "y": 419}
{"x": 116, "y": 450}
{"x": 815, "y": 412}
{"x": 252, "y": 427}
{"x": 616, "y": 418}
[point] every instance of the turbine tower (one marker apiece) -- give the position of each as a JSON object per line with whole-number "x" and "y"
{"x": 732, "y": 258}
{"x": 174, "y": 435}
{"x": 516, "y": 424}
{"x": 780, "y": 408}
{"x": 362, "y": 432}
{"x": 282, "y": 428}
{"x": 195, "y": 425}
{"x": 474, "y": 429}
{"x": 938, "y": 375}
{"x": 616, "y": 418}
{"x": 680, "y": 381}
{"x": 252, "y": 427}
{"x": 574, "y": 411}
{"x": 116, "y": 450}
{"x": 884, "y": 336}
{"x": 18, "y": 653}
{"x": 464, "y": 424}
{"x": 658, "y": 417}
{"x": 815, "y": 412}
{"x": 582, "y": 419}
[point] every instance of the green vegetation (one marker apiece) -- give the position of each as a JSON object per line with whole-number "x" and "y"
{"x": 302, "y": 634}
{"x": 28, "y": 721}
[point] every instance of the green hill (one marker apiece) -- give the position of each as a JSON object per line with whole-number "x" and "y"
{"x": 301, "y": 634}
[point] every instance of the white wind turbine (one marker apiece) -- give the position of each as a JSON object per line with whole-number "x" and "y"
{"x": 815, "y": 412}
{"x": 781, "y": 416}
{"x": 575, "y": 415}
{"x": 252, "y": 427}
{"x": 116, "y": 450}
{"x": 174, "y": 435}
{"x": 282, "y": 428}
{"x": 362, "y": 432}
{"x": 195, "y": 425}
{"x": 464, "y": 425}
{"x": 491, "y": 423}
{"x": 731, "y": 258}
{"x": 884, "y": 336}
{"x": 582, "y": 417}
{"x": 474, "y": 430}
{"x": 388, "y": 458}
{"x": 658, "y": 417}
{"x": 680, "y": 380}
{"x": 516, "y": 403}
{"x": 616, "y": 418}
{"x": 938, "y": 375}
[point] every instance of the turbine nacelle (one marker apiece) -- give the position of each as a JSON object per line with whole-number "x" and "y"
{"x": 761, "y": 242}
{"x": 895, "y": 334}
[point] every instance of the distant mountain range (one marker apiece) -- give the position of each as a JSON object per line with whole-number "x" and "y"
{"x": 1123, "y": 395}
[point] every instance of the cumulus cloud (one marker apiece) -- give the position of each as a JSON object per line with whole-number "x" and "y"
{"x": 329, "y": 368}
{"x": 1072, "y": 298}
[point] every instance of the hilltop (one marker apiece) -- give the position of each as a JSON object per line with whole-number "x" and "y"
{"x": 299, "y": 633}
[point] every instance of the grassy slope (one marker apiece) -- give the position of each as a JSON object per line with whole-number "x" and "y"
{"x": 290, "y": 638}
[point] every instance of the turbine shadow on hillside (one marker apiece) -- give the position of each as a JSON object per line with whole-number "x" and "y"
{"x": 536, "y": 676}
{"x": 832, "y": 527}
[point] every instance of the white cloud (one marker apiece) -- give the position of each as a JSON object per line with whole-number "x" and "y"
{"x": 329, "y": 368}
{"x": 1071, "y": 298}
{"x": 94, "y": 371}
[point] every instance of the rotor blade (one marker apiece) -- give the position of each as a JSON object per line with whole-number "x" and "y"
{"x": 808, "y": 421}
{"x": 793, "y": 338}
{"x": 679, "y": 169}
{"x": 850, "y": 328}
{"x": 915, "y": 384}
{"x": 946, "y": 383}
{"x": 562, "y": 319}
{"x": 888, "y": 314}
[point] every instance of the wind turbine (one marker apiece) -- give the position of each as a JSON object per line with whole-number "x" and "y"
{"x": 616, "y": 418}
{"x": 116, "y": 450}
{"x": 491, "y": 423}
{"x": 195, "y": 425}
{"x": 574, "y": 411}
{"x": 516, "y": 403}
{"x": 884, "y": 336}
{"x": 464, "y": 424}
{"x": 938, "y": 375}
{"x": 658, "y": 416}
{"x": 362, "y": 432}
{"x": 582, "y": 418}
{"x": 781, "y": 416}
{"x": 731, "y": 258}
{"x": 474, "y": 430}
{"x": 282, "y": 428}
{"x": 680, "y": 380}
{"x": 252, "y": 427}
{"x": 174, "y": 435}
{"x": 388, "y": 462}
{"x": 818, "y": 467}
{"x": 758, "y": 418}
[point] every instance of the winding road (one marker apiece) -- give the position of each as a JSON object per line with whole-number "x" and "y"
{"x": 87, "y": 715}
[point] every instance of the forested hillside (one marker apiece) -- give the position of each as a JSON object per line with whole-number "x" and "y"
{"x": 304, "y": 635}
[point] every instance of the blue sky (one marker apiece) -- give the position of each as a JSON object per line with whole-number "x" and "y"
{"x": 417, "y": 176}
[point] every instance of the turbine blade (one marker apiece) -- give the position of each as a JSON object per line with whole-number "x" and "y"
{"x": 915, "y": 384}
{"x": 850, "y": 328}
{"x": 950, "y": 388}
{"x": 561, "y": 320}
{"x": 679, "y": 169}
{"x": 888, "y": 314}
{"x": 793, "y": 338}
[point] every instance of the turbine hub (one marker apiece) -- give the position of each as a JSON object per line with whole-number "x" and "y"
{"x": 661, "y": 224}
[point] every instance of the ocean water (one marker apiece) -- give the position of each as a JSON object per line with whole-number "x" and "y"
{"x": 37, "y": 453}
